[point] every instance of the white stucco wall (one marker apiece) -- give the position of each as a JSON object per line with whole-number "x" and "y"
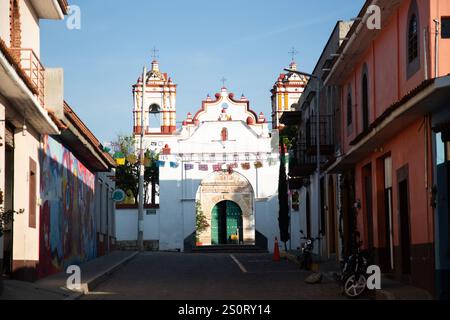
{"x": 296, "y": 218}
{"x": 171, "y": 208}
{"x": 127, "y": 221}
{"x": 315, "y": 217}
{"x": 26, "y": 146}
{"x": 266, "y": 220}
{"x": 30, "y": 27}
{"x": 4, "y": 21}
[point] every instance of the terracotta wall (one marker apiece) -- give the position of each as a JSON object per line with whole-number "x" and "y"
{"x": 386, "y": 61}
{"x": 408, "y": 148}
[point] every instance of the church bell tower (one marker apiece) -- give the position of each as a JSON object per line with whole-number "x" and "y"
{"x": 160, "y": 103}
{"x": 286, "y": 93}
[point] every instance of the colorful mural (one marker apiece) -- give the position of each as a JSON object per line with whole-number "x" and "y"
{"x": 67, "y": 220}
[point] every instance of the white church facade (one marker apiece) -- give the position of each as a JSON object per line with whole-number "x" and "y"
{"x": 222, "y": 163}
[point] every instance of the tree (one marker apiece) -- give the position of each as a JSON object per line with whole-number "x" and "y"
{"x": 283, "y": 200}
{"x": 151, "y": 176}
{"x": 127, "y": 175}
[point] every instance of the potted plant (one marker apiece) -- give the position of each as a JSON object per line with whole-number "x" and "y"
{"x": 6, "y": 217}
{"x": 201, "y": 223}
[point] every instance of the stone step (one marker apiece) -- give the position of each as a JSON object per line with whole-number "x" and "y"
{"x": 228, "y": 249}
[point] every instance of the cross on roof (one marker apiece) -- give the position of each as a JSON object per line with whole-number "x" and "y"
{"x": 293, "y": 53}
{"x": 223, "y": 80}
{"x": 155, "y": 53}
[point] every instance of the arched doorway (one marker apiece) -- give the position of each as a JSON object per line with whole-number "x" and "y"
{"x": 226, "y": 223}
{"x": 227, "y": 202}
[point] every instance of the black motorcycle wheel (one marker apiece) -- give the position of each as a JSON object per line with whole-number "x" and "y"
{"x": 355, "y": 285}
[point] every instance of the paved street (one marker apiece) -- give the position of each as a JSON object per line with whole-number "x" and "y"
{"x": 179, "y": 276}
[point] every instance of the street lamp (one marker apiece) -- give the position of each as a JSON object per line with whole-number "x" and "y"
{"x": 318, "y": 197}
{"x": 140, "y": 238}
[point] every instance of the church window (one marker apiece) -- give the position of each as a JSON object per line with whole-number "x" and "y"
{"x": 412, "y": 39}
{"x": 224, "y": 134}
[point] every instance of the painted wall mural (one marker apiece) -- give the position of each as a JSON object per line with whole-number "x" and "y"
{"x": 67, "y": 220}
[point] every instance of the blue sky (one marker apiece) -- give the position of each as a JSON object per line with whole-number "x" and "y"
{"x": 200, "y": 41}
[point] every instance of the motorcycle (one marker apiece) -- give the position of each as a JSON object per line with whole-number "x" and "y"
{"x": 305, "y": 258}
{"x": 354, "y": 273}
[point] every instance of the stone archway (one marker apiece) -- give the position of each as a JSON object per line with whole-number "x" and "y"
{"x": 223, "y": 186}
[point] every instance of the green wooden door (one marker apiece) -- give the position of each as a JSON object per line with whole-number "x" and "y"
{"x": 215, "y": 225}
{"x": 226, "y": 222}
{"x": 234, "y": 222}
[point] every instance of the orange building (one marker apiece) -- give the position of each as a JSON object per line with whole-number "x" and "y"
{"x": 394, "y": 83}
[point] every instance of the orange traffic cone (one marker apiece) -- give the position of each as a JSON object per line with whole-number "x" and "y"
{"x": 276, "y": 251}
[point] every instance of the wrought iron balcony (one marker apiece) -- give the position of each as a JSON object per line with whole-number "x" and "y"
{"x": 326, "y": 135}
{"x": 301, "y": 164}
{"x": 33, "y": 69}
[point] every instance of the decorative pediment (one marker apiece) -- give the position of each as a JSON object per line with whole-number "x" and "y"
{"x": 225, "y": 108}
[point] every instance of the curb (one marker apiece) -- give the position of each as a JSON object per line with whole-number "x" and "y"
{"x": 92, "y": 283}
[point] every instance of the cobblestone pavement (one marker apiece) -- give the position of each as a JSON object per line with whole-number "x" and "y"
{"x": 184, "y": 276}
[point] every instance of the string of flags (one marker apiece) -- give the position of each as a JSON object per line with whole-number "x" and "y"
{"x": 218, "y": 163}
{"x": 217, "y": 166}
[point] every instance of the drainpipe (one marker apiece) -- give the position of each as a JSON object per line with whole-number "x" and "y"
{"x": 425, "y": 52}
{"x": 436, "y": 52}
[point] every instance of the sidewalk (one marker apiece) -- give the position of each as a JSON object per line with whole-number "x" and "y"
{"x": 54, "y": 287}
{"x": 394, "y": 290}
{"x": 391, "y": 289}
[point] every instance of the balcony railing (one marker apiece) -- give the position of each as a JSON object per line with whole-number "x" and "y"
{"x": 33, "y": 69}
{"x": 301, "y": 164}
{"x": 326, "y": 135}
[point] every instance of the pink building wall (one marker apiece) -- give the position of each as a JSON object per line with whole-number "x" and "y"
{"x": 386, "y": 60}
